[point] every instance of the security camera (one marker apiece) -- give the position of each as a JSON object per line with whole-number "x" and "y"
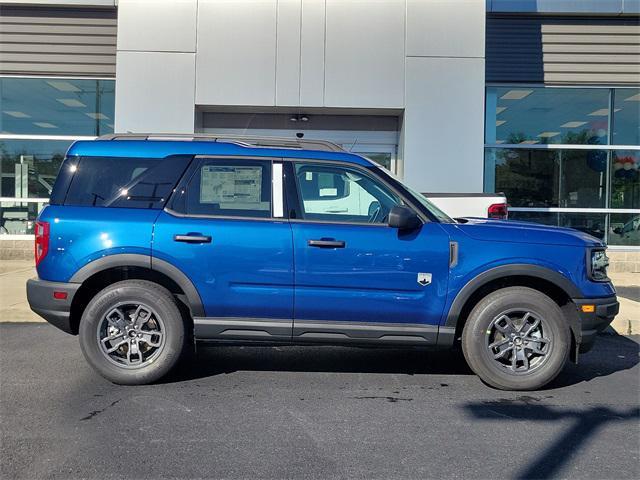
{"x": 299, "y": 134}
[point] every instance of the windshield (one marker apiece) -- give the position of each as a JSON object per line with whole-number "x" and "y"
{"x": 435, "y": 211}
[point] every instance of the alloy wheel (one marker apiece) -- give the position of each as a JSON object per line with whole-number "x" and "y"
{"x": 519, "y": 341}
{"x": 131, "y": 335}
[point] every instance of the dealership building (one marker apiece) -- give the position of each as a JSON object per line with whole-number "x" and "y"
{"x": 539, "y": 99}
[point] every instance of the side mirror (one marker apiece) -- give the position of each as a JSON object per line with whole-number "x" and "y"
{"x": 403, "y": 218}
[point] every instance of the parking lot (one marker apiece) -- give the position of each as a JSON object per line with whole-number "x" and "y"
{"x": 320, "y": 412}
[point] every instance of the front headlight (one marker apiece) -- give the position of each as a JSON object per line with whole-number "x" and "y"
{"x": 598, "y": 266}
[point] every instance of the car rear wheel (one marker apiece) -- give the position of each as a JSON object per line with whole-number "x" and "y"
{"x": 516, "y": 338}
{"x": 132, "y": 332}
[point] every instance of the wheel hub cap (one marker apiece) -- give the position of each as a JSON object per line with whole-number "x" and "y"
{"x": 519, "y": 341}
{"x": 131, "y": 335}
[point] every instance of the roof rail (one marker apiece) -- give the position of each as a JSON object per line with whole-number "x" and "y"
{"x": 243, "y": 140}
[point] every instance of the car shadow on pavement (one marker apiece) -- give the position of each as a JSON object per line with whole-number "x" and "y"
{"x": 611, "y": 353}
{"x": 585, "y": 424}
{"x": 212, "y": 360}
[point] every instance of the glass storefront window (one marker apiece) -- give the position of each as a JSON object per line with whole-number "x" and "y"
{"x": 29, "y": 167}
{"x": 625, "y": 179}
{"x": 538, "y": 115}
{"x": 535, "y": 176}
{"x": 18, "y": 218}
{"x": 51, "y": 106}
{"x": 33, "y": 109}
{"x": 626, "y": 117}
{"x": 624, "y": 229}
{"x": 549, "y": 178}
{"x": 382, "y": 159}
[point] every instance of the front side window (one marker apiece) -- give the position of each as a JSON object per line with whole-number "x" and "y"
{"x": 228, "y": 188}
{"x": 342, "y": 194}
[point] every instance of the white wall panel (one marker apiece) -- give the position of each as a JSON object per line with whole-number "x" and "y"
{"x": 155, "y": 92}
{"x": 444, "y": 124}
{"x": 236, "y": 60}
{"x": 364, "y": 58}
{"x": 157, "y": 25}
{"x": 445, "y": 28}
{"x": 312, "y": 53}
{"x": 288, "y": 52}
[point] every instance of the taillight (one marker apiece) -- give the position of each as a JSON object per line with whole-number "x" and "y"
{"x": 498, "y": 211}
{"x": 42, "y": 240}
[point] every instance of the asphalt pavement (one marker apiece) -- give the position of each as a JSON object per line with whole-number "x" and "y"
{"x": 314, "y": 412}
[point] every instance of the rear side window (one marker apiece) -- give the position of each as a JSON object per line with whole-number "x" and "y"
{"x": 227, "y": 188}
{"x": 125, "y": 182}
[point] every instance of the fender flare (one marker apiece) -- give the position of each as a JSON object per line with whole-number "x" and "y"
{"x": 144, "y": 261}
{"x": 502, "y": 271}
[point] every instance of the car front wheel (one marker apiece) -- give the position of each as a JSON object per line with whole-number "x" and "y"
{"x": 132, "y": 332}
{"x": 516, "y": 338}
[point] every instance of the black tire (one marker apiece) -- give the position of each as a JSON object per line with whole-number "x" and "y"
{"x": 486, "y": 326}
{"x": 125, "y": 295}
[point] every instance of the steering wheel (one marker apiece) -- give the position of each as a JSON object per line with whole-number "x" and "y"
{"x": 374, "y": 211}
{"x": 377, "y": 213}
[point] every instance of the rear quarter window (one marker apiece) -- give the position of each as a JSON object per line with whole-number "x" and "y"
{"x": 144, "y": 183}
{"x": 224, "y": 187}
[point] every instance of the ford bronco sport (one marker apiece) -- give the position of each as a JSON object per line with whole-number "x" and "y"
{"x": 150, "y": 243}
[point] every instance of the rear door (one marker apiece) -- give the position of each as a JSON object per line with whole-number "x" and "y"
{"x": 225, "y": 229}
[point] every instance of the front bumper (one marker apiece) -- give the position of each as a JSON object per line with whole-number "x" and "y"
{"x": 53, "y": 310}
{"x": 592, "y": 323}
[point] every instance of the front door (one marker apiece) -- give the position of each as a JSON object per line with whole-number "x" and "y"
{"x": 225, "y": 230}
{"x": 356, "y": 278}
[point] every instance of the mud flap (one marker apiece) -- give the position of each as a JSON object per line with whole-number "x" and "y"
{"x": 570, "y": 311}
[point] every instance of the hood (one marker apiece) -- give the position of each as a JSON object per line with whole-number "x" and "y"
{"x": 525, "y": 232}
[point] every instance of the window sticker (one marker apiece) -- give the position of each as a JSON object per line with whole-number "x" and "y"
{"x": 234, "y": 185}
{"x": 328, "y": 192}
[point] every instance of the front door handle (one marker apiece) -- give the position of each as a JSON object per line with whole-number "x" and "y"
{"x": 326, "y": 243}
{"x": 192, "y": 238}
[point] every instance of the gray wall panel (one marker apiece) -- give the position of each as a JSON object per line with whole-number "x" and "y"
{"x": 364, "y": 58}
{"x": 56, "y": 41}
{"x": 158, "y": 26}
{"x": 53, "y": 69}
{"x": 312, "y": 42}
{"x": 445, "y": 28}
{"x": 557, "y": 50}
{"x": 236, "y": 60}
{"x": 155, "y": 92}
{"x": 9, "y": 41}
{"x": 443, "y": 124}
{"x": 288, "y": 52}
{"x": 66, "y": 3}
{"x": 513, "y": 50}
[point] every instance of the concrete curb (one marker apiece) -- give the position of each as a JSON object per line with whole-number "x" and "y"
{"x": 627, "y": 322}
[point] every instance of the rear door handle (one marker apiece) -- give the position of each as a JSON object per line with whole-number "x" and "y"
{"x": 190, "y": 238}
{"x": 326, "y": 243}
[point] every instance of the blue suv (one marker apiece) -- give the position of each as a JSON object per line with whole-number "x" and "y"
{"x": 153, "y": 242}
